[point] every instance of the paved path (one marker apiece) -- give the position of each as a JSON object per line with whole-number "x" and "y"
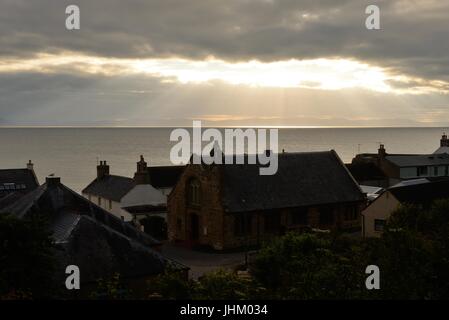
{"x": 202, "y": 262}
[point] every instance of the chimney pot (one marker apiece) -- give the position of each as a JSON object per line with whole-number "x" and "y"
{"x": 102, "y": 170}
{"x": 30, "y": 165}
{"x": 142, "y": 176}
{"x": 444, "y": 142}
{"x": 382, "y": 152}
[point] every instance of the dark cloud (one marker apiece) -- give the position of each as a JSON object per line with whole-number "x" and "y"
{"x": 414, "y": 38}
{"x": 78, "y": 99}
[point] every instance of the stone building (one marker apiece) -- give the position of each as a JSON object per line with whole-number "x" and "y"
{"x": 232, "y": 206}
{"x": 133, "y": 198}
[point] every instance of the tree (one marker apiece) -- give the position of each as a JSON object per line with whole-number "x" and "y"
{"x": 171, "y": 284}
{"x": 226, "y": 285}
{"x": 309, "y": 266}
{"x": 110, "y": 289}
{"x": 215, "y": 285}
{"x": 27, "y": 262}
{"x": 417, "y": 242}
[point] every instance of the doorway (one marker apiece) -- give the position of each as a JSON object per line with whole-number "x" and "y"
{"x": 195, "y": 227}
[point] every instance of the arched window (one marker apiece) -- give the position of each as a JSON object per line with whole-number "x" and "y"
{"x": 194, "y": 192}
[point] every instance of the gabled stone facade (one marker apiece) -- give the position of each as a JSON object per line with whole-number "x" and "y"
{"x": 215, "y": 223}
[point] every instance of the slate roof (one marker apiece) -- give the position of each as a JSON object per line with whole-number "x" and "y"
{"x": 90, "y": 237}
{"x": 419, "y": 160}
{"x": 9, "y": 198}
{"x": 60, "y": 200}
{"x": 110, "y": 187}
{"x": 100, "y": 251}
{"x": 302, "y": 179}
{"x": 144, "y": 195}
{"x": 17, "y": 180}
{"x": 165, "y": 176}
{"x": 424, "y": 192}
{"x": 363, "y": 171}
{"x": 116, "y": 187}
{"x": 442, "y": 149}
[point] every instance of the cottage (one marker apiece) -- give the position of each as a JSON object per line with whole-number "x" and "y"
{"x": 133, "y": 198}
{"x": 227, "y": 206}
{"x": 419, "y": 191}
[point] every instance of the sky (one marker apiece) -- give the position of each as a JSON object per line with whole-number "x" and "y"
{"x": 226, "y": 63}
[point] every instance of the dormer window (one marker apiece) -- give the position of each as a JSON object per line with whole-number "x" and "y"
{"x": 194, "y": 192}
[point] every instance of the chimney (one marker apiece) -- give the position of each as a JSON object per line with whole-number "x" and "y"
{"x": 142, "y": 175}
{"x": 52, "y": 181}
{"x": 102, "y": 170}
{"x": 30, "y": 165}
{"x": 444, "y": 142}
{"x": 381, "y": 151}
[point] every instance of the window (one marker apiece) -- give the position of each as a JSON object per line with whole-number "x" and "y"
{"x": 99, "y": 201}
{"x": 110, "y": 204}
{"x": 242, "y": 224}
{"x": 326, "y": 216}
{"x": 272, "y": 223}
{"x": 9, "y": 186}
{"x": 194, "y": 192}
{"x": 379, "y": 225}
{"x": 300, "y": 216}
{"x": 435, "y": 171}
{"x": 351, "y": 214}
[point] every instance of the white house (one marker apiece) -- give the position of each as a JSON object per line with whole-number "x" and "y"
{"x": 133, "y": 198}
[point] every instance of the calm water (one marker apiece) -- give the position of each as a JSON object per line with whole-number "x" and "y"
{"x": 72, "y": 153}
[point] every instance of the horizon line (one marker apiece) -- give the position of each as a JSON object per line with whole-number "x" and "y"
{"x": 209, "y": 126}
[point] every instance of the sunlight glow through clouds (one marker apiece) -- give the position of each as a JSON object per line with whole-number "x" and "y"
{"x": 324, "y": 74}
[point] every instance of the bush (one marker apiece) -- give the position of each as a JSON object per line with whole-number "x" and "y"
{"x": 27, "y": 262}
{"x": 308, "y": 266}
{"x": 170, "y": 285}
{"x": 226, "y": 285}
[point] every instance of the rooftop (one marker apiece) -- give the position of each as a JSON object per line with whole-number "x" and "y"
{"x": 17, "y": 181}
{"x": 363, "y": 171}
{"x": 115, "y": 187}
{"x": 110, "y": 187}
{"x": 302, "y": 179}
{"x": 419, "y": 160}
{"x": 421, "y": 190}
{"x": 92, "y": 238}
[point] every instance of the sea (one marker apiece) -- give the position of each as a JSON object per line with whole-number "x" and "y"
{"x": 73, "y": 153}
